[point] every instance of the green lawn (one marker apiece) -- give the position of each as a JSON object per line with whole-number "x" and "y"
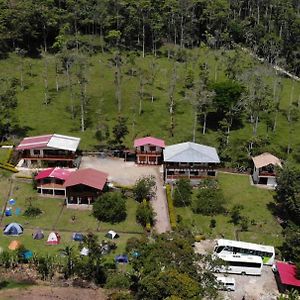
{"x": 39, "y": 118}
{"x": 237, "y": 190}
{"x": 3, "y": 155}
{"x": 56, "y": 216}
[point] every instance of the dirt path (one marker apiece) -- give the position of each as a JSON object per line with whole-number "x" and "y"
{"x": 160, "y": 206}
{"x": 126, "y": 173}
{"x": 51, "y": 293}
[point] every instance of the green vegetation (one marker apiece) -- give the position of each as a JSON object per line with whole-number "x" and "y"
{"x": 110, "y": 207}
{"x": 145, "y": 214}
{"x": 171, "y": 208}
{"x": 10, "y": 284}
{"x": 182, "y": 194}
{"x": 263, "y": 227}
{"x": 144, "y": 188}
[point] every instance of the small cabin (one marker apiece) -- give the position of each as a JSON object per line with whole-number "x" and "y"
{"x": 149, "y": 150}
{"x": 285, "y": 274}
{"x": 264, "y": 170}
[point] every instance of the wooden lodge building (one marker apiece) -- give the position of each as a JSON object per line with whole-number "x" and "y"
{"x": 84, "y": 186}
{"x": 190, "y": 160}
{"x": 264, "y": 171}
{"x": 51, "y": 150}
{"x": 149, "y": 150}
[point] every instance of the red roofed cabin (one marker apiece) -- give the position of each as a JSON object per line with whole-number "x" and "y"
{"x": 52, "y": 149}
{"x": 50, "y": 182}
{"x": 286, "y": 276}
{"x": 149, "y": 150}
{"x": 84, "y": 186}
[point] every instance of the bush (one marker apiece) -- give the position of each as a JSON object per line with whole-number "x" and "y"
{"x": 144, "y": 188}
{"x": 172, "y": 214}
{"x": 208, "y": 201}
{"x": 118, "y": 280}
{"x": 145, "y": 214}
{"x": 121, "y": 295}
{"x": 244, "y": 223}
{"x": 110, "y": 207}
{"x": 235, "y": 214}
{"x": 132, "y": 244}
{"x": 213, "y": 223}
{"x": 182, "y": 193}
{"x": 32, "y": 211}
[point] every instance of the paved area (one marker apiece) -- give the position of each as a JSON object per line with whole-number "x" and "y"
{"x": 262, "y": 287}
{"x": 126, "y": 173}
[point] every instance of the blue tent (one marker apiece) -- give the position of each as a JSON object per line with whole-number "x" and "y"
{"x": 13, "y": 229}
{"x": 8, "y": 212}
{"x": 121, "y": 259}
{"x": 78, "y": 237}
{"x": 27, "y": 254}
{"x": 12, "y": 201}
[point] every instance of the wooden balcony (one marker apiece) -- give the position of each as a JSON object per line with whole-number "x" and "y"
{"x": 149, "y": 153}
{"x": 178, "y": 176}
{"x": 49, "y": 157}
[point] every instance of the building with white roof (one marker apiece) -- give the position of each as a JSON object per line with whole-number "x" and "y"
{"x": 264, "y": 171}
{"x": 190, "y": 160}
{"x": 52, "y": 149}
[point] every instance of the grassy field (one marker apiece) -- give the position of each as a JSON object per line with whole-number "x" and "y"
{"x": 39, "y": 118}
{"x": 237, "y": 190}
{"x": 57, "y": 217}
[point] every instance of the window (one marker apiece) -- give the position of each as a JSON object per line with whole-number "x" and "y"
{"x": 244, "y": 264}
{"x": 219, "y": 249}
{"x": 36, "y": 152}
{"x": 152, "y": 148}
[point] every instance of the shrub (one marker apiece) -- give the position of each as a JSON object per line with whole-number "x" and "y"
{"x": 182, "y": 193}
{"x": 132, "y": 244}
{"x": 145, "y": 214}
{"x": 235, "y": 214}
{"x": 32, "y": 211}
{"x": 208, "y": 201}
{"x": 118, "y": 280}
{"x": 212, "y": 223}
{"x": 172, "y": 214}
{"x": 110, "y": 207}
{"x": 244, "y": 223}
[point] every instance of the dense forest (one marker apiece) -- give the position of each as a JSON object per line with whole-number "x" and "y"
{"x": 271, "y": 28}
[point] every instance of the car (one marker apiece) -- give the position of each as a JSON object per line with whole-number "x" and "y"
{"x": 226, "y": 283}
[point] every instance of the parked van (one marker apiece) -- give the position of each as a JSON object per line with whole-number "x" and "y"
{"x": 226, "y": 283}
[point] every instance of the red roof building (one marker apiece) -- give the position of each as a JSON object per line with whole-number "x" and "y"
{"x": 50, "y": 182}
{"x": 53, "y": 149}
{"x": 286, "y": 276}
{"x": 149, "y": 150}
{"x": 84, "y": 186}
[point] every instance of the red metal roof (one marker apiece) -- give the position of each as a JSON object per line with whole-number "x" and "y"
{"x": 287, "y": 274}
{"x": 89, "y": 177}
{"x": 59, "y": 173}
{"x": 149, "y": 140}
{"x": 34, "y": 142}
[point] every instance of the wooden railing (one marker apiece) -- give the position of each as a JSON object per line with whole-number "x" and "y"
{"x": 266, "y": 173}
{"x": 149, "y": 153}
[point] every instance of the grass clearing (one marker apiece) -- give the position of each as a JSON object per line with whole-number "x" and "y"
{"x": 237, "y": 190}
{"x": 57, "y": 217}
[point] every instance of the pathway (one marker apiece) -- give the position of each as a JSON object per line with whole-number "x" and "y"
{"x": 126, "y": 173}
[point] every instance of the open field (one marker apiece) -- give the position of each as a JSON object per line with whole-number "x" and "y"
{"x": 237, "y": 190}
{"x": 57, "y": 217}
{"x": 35, "y": 117}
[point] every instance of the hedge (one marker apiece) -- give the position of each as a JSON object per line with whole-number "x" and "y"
{"x": 171, "y": 207}
{"x": 8, "y": 168}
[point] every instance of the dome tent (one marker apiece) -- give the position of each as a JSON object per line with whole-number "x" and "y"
{"x": 13, "y": 229}
{"x": 15, "y": 245}
{"x": 38, "y": 235}
{"x": 78, "y": 237}
{"x": 112, "y": 235}
{"x": 53, "y": 238}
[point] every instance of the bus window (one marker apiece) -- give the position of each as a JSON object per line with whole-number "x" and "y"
{"x": 219, "y": 249}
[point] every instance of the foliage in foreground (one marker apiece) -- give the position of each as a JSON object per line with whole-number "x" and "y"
{"x": 144, "y": 188}
{"x": 182, "y": 195}
{"x": 145, "y": 214}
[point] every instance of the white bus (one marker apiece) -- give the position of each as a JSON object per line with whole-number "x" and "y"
{"x": 240, "y": 264}
{"x": 267, "y": 253}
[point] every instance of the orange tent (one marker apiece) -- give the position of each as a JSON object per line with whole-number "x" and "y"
{"x": 14, "y": 245}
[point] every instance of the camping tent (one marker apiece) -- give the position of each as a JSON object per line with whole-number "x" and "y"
{"x": 14, "y": 245}
{"x": 112, "y": 235}
{"x": 121, "y": 259}
{"x": 27, "y": 255}
{"x": 53, "y": 238}
{"x": 84, "y": 251}
{"x": 78, "y": 237}
{"x": 38, "y": 235}
{"x": 13, "y": 229}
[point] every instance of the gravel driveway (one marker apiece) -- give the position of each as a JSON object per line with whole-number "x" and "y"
{"x": 126, "y": 173}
